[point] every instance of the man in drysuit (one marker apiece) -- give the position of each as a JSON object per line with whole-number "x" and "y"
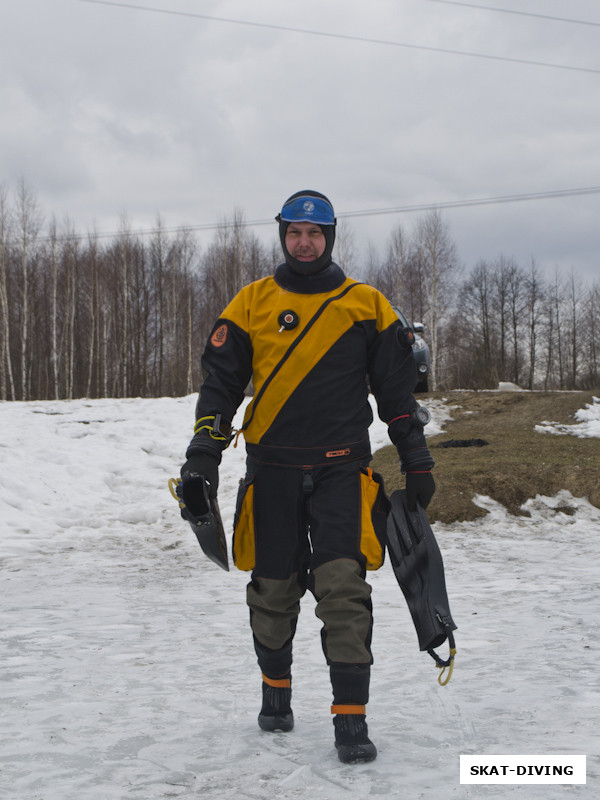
{"x": 310, "y": 512}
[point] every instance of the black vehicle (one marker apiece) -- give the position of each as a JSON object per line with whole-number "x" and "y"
{"x": 420, "y": 351}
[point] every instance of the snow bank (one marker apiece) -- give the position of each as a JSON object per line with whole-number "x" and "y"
{"x": 587, "y": 425}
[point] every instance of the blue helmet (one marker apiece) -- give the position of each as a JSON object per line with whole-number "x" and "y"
{"x": 307, "y": 207}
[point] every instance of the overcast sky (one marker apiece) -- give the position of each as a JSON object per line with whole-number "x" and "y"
{"x": 109, "y": 111}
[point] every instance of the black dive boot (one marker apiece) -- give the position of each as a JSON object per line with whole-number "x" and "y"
{"x": 276, "y": 713}
{"x": 351, "y": 739}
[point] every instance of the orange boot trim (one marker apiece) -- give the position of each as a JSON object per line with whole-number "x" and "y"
{"x": 348, "y": 709}
{"x": 279, "y": 683}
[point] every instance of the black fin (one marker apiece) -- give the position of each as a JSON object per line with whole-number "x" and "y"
{"x": 419, "y": 570}
{"x": 205, "y": 520}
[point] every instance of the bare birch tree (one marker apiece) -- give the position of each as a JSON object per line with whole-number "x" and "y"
{"x": 591, "y": 336}
{"x": 534, "y": 293}
{"x": 515, "y": 290}
{"x": 439, "y": 265}
{"x": 345, "y": 247}
{"x": 395, "y": 265}
{"x": 7, "y": 381}
{"x": 574, "y": 301}
{"x": 28, "y": 223}
{"x": 54, "y": 256}
{"x": 504, "y": 270}
{"x": 478, "y": 302}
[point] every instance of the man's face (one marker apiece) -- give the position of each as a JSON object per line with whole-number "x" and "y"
{"x": 304, "y": 241}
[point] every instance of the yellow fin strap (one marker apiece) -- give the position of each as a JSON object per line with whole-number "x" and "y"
{"x": 449, "y": 665}
{"x": 348, "y": 709}
{"x": 173, "y": 483}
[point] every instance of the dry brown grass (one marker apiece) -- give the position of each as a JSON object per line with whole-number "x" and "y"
{"x": 518, "y": 462}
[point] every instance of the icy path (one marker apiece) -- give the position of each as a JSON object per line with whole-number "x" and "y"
{"x": 127, "y": 664}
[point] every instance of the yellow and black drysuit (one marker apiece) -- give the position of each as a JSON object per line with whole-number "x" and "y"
{"x": 310, "y": 512}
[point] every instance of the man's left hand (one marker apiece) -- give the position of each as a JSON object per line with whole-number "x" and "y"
{"x": 420, "y": 487}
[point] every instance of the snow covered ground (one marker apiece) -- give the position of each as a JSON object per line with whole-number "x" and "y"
{"x": 127, "y": 664}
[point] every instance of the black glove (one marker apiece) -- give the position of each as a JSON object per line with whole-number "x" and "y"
{"x": 200, "y": 466}
{"x": 420, "y": 487}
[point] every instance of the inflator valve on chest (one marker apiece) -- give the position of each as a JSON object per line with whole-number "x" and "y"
{"x": 288, "y": 320}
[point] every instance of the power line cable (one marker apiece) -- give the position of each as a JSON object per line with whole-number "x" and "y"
{"x": 347, "y": 37}
{"x": 370, "y": 212}
{"x": 520, "y": 13}
{"x": 481, "y": 201}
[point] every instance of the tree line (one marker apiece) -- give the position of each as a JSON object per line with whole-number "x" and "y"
{"x": 81, "y": 316}
{"x": 500, "y": 321}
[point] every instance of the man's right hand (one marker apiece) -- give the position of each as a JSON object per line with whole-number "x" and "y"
{"x": 201, "y": 464}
